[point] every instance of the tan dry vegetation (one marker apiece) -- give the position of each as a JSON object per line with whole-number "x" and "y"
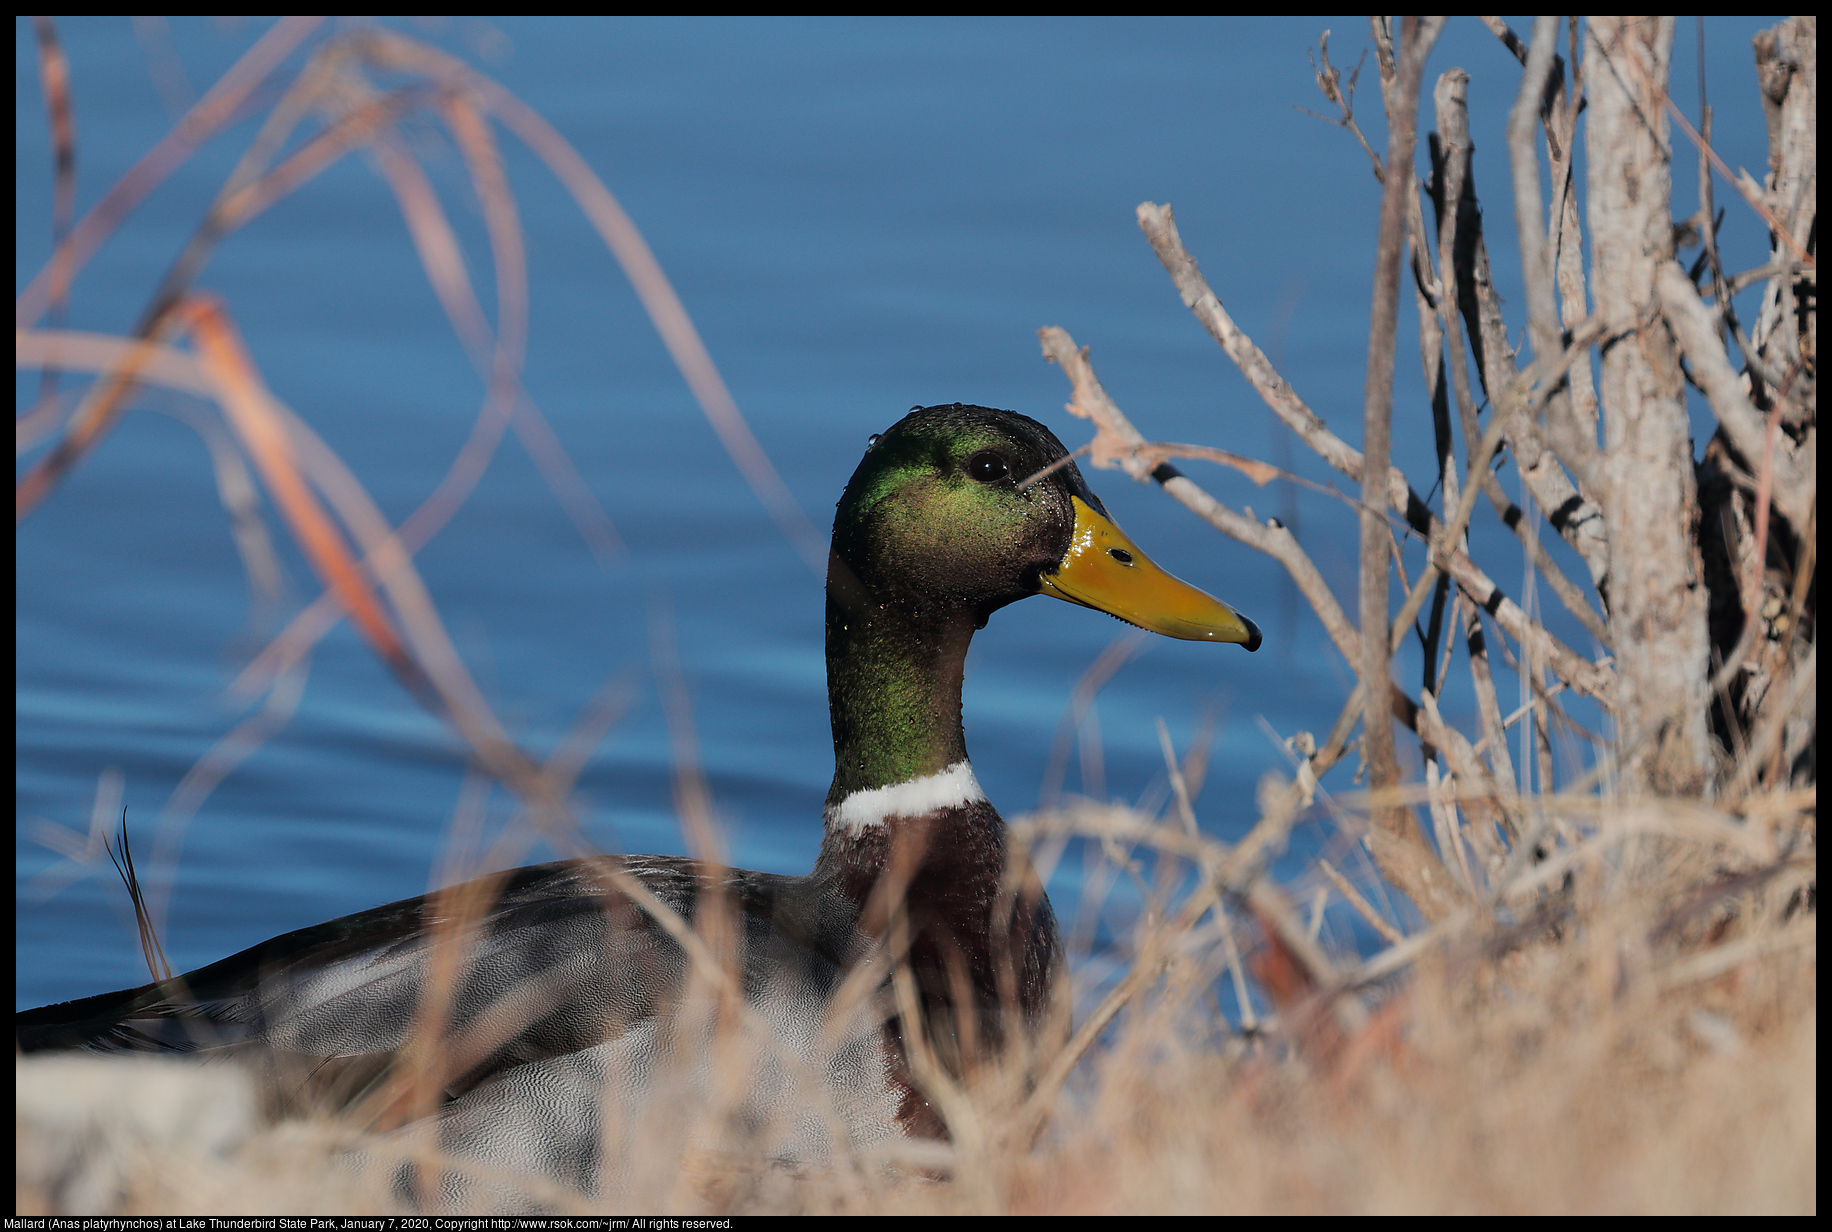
{"x": 1644, "y": 1042}
{"x": 1550, "y": 1080}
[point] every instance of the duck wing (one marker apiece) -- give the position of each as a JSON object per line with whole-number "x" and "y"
{"x": 555, "y": 961}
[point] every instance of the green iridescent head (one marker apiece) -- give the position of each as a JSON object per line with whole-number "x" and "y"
{"x": 934, "y": 514}
{"x": 950, "y": 509}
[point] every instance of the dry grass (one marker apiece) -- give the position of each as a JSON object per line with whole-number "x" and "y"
{"x": 1639, "y": 1037}
{"x": 1579, "y": 1069}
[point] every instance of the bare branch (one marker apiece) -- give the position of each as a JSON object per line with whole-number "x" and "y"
{"x": 1160, "y": 227}
{"x": 1396, "y": 843}
{"x": 1651, "y": 499}
{"x": 1499, "y": 28}
{"x": 1542, "y": 303}
{"x": 1329, "y": 80}
{"x": 1696, "y": 328}
{"x": 1120, "y": 444}
{"x": 1578, "y": 521}
{"x": 1787, "y": 59}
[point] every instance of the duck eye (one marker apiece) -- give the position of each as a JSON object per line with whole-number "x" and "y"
{"x": 1121, "y": 555}
{"x": 987, "y": 466}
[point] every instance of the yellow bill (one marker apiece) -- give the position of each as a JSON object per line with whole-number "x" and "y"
{"x": 1106, "y": 571}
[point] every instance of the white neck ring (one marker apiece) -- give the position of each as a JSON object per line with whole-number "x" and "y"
{"x": 862, "y": 810}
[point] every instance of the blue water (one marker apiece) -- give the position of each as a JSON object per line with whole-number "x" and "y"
{"x": 860, "y": 216}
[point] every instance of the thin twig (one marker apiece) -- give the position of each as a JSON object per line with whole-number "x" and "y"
{"x": 1159, "y": 225}
{"x": 1542, "y": 376}
{"x": 1755, "y": 203}
{"x": 1360, "y": 904}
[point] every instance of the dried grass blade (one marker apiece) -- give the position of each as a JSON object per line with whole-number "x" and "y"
{"x": 652, "y": 286}
{"x": 210, "y": 113}
{"x": 250, "y": 409}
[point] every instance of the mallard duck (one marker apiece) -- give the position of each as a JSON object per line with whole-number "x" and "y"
{"x": 570, "y": 986}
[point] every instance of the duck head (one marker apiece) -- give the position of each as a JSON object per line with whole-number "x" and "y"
{"x": 953, "y": 513}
